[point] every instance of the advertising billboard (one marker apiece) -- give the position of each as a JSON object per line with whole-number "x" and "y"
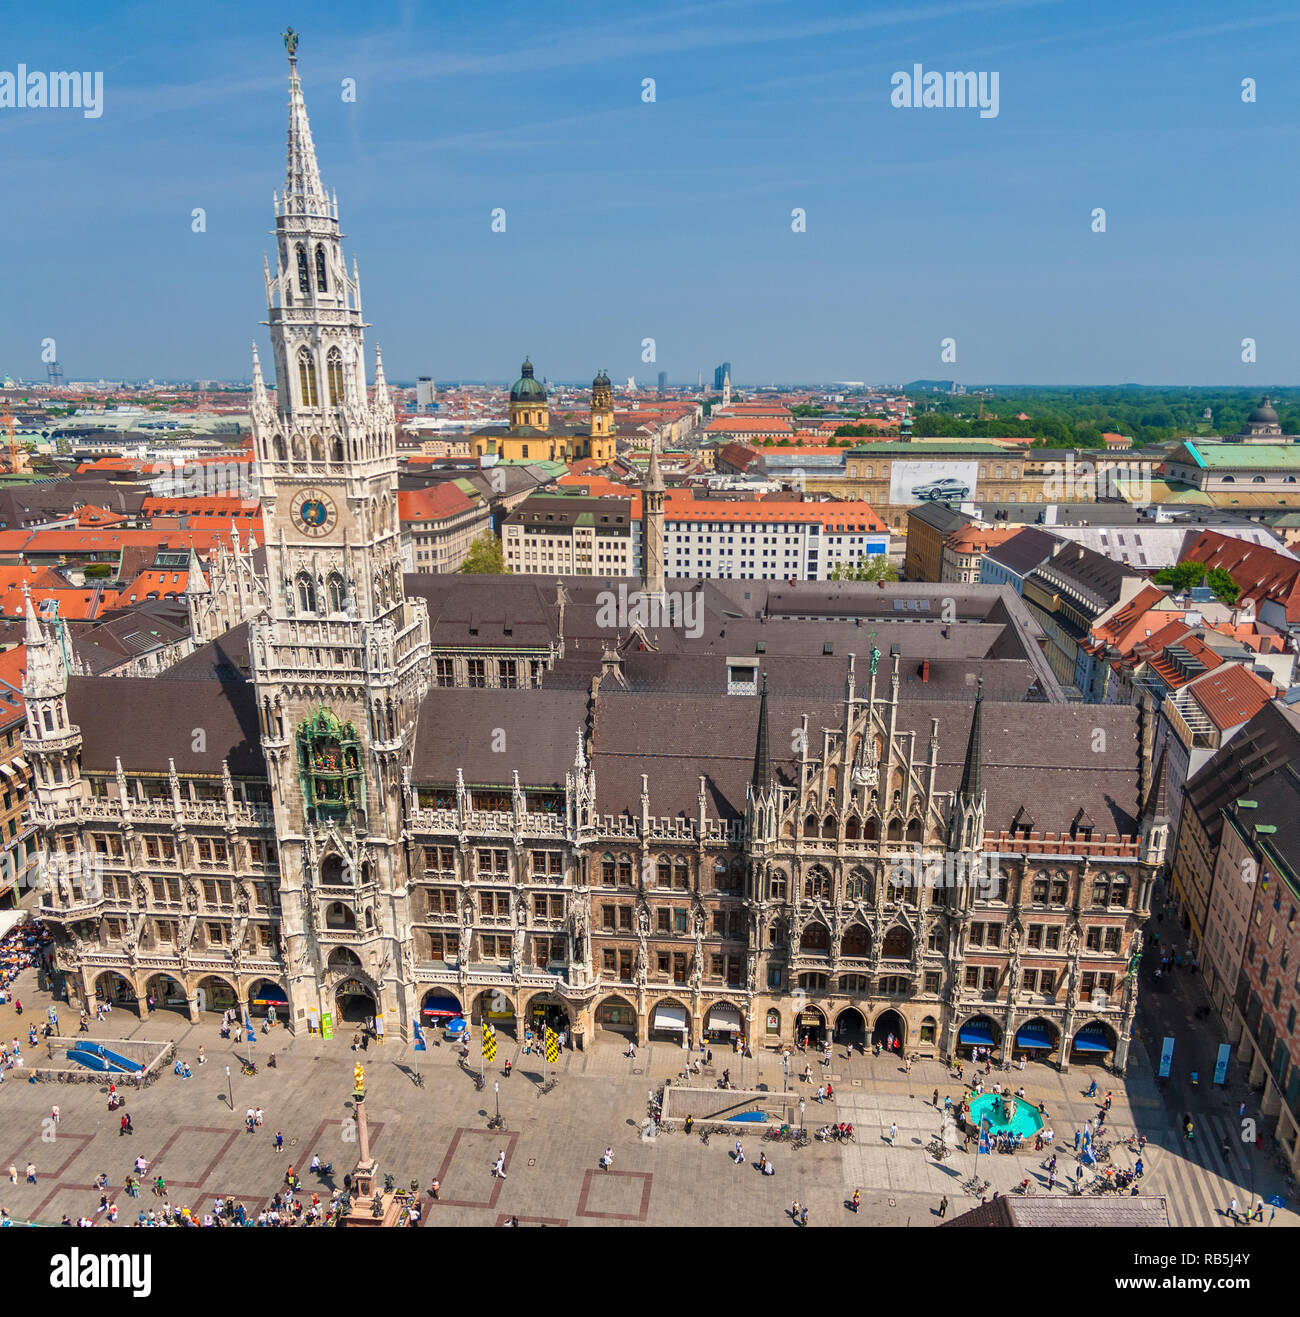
{"x": 932, "y": 482}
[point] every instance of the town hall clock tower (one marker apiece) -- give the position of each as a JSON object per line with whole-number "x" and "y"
{"x": 341, "y": 659}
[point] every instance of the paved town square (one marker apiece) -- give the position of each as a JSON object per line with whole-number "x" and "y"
{"x": 553, "y": 1142}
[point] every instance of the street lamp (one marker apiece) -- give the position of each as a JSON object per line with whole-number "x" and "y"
{"x": 230, "y": 1090}
{"x": 801, "y": 1107}
{"x": 496, "y": 1088}
{"x": 785, "y": 1067}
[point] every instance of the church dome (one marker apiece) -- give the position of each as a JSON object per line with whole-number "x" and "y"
{"x": 601, "y": 379}
{"x": 1264, "y": 413}
{"x": 526, "y": 388}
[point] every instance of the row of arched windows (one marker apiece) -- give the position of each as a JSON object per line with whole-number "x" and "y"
{"x": 866, "y": 831}
{"x": 335, "y": 591}
{"x": 304, "y": 274}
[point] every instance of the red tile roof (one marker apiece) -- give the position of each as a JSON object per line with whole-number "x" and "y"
{"x": 1232, "y": 695}
{"x": 1261, "y": 572}
{"x": 433, "y": 504}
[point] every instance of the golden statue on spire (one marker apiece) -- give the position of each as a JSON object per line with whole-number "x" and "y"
{"x": 290, "y": 41}
{"x": 359, "y": 1078}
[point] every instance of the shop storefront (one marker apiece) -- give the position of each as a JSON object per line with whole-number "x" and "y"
{"x": 669, "y": 1024}
{"x": 723, "y": 1024}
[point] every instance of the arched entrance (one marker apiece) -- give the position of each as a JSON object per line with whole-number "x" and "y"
{"x": 1093, "y": 1044}
{"x": 494, "y": 1007}
{"x": 354, "y": 1002}
{"x": 723, "y": 1023}
{"x": 1037, "y": 1038}
{"x": 439, "y": 1008}
{"x": 114, "y": 988}
{"x": 670, "y": 1022}
{"x": 215, "y": 994}
{"x": 168, "y": 994}
{"x": 980, "y": 1032}
{"x": 850, "y": 1027}
{"x": 810, "y": 1025}
{"x": 546, "y": 1011}
{"x": 265, "y": 996}
{"x": 616, "y": 1015}
{"x": 890, "y": 1032}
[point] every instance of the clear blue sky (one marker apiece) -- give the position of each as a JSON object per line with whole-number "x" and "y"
{"x": 672, "y": 220}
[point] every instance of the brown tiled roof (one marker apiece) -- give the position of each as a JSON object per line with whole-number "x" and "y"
{"x": 148, "y": 722}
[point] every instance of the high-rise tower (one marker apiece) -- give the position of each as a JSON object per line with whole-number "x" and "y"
{"x": 341, "y": 659}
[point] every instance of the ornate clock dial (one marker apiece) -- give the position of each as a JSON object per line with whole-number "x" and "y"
{"x": 314, "y": 512}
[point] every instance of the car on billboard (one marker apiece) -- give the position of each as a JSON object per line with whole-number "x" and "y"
{"x": 940, "y": 491}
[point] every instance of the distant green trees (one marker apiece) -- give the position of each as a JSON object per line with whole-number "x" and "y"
{"x": 486, "y": 557}
{"x": 870, "y": 567}
{"x": 1185, "y": 576}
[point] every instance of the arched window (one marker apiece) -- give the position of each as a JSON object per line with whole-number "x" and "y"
{"x": 817, "y": 883}
{"x": 307, "y": 378}
{"x": 277, "y": 448}
{"x": 304, "y": 279}
{"x": 810, "y": 826}
{"x": 320, "y": 269}
{"x": 856, "y": 941}
{"x": 335, "y": 587}
{"x": 816, "y": 938}
{"x": 306, "y": 593}
{"x": 859, "y": 885}
{"x": 317, "y": 449}
{"x": 663, "y": 871}
{"x": 334, "y": 373}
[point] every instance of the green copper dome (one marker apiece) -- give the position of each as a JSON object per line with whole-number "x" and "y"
{"x": 526, "y": 388}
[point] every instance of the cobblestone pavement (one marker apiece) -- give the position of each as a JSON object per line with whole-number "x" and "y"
{"x": 553, "y": 1142}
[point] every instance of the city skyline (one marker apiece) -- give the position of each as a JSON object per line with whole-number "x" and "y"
{"x": 626, "y": 220}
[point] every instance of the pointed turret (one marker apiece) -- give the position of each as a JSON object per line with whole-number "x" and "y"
{"x": 196, "y": 582}
{"x": 35, "y": 633}
{"x": 762, "y": 778}
{"x": 972, "y": 774}
{"x": 652, "y": 530}
{"x": 382, "y": 399}
{"x": 1155, "y": 809}
{"x": 304, "y": 194}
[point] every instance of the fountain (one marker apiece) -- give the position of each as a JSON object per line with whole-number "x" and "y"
{"x": 1006, "y": 1113}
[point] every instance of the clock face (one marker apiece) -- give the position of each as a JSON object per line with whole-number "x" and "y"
{"x": 314, "y": 512}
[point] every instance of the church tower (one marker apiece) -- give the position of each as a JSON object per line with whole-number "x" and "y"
{"x": 652, "y": 524}
{"x": 726, "y": 390}
{"x": 340, "y": 658}
{"x": 602, "y": 418}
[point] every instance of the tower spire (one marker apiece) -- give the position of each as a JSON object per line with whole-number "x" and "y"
{"x": 972, "y": 774}
{"x": 304, "y": 194}
{"x": 762, "y": 751}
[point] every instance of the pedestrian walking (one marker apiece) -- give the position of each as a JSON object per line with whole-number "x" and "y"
{"x": 54, "y": 1113}
{"x": 499, "y": 1170}
{"x": 1232, "y": 1209}
{"x": 1258, "y": 1214}
{"x": 433, "y": 1190}
{"x": 943, "y": 1206}
{"x": 1107, "y": 1102}
{"x": 257, "y": 1116}
{"x": 31, "y": 1172}
{"x": 857, "y": 1199}
{"x": 803, "y": 1216}
{"x": 606, "y": 1157}
{"x": 893, "y": 1133}
{"x": 202, "y": 1059}
{"x": 821, "y": 1093}
{"x": 936, "y": 1098}
{"x": 794, "y": 1211}
{"x": 1092, "y": 1089}
{"x": 1051, "y": 1181}
{"x": 740, "y": 1153}
{"x": 279, "y": 1141}
{"x": 1241, "y": 1110}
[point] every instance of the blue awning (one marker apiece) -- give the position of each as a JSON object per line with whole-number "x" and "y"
{"x": 1033, "y": 1035}
{"x": 443, "y": 1006}
{"x": 1091, "y": 1039}
{"x": 978, "y": 1032}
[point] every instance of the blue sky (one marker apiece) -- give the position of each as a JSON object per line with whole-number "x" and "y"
{"x": 672, "y": 220}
